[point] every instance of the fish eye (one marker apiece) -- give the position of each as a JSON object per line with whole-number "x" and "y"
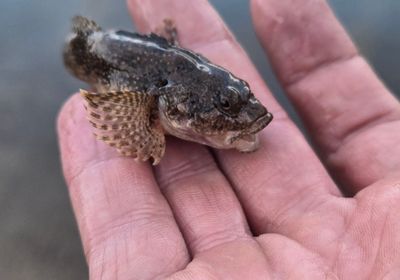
{"x": 228, "y": 102}
{"x": 225, "y": 104}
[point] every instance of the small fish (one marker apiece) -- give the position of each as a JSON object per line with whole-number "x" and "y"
{"x": 146, "y": 86}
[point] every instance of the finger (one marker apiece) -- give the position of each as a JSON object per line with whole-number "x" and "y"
{"x": 201, "y": 198}
{"x": 283, "y": 178}
{"x": 348, "y": 111}
{"x": 126, "y": 225}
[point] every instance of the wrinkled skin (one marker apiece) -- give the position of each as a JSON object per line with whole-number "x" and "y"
{"x": 274, "y": 214}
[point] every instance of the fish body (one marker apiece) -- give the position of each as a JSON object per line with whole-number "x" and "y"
{"x": 146, "y": 86}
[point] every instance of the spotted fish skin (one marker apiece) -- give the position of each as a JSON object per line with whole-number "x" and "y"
{"x": 186, "y": 95}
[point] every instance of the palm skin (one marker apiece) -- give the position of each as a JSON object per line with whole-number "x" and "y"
{"x": 273, "y": 214}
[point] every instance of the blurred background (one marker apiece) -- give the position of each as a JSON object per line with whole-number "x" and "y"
{"x": 38, "y": 235}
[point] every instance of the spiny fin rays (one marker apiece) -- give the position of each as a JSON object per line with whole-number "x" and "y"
{"x": 124, "y": 120}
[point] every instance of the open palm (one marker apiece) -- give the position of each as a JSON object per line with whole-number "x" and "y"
{"x": 278, "y": 213}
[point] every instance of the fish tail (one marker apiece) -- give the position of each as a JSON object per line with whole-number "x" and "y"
{"x": 83, "y": 25}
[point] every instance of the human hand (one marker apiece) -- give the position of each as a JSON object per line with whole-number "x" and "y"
{"x": 275, "y": 213}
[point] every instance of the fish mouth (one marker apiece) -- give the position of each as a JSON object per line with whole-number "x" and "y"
{"x": 256, "y": 126}
{"x": 259, "y": 123}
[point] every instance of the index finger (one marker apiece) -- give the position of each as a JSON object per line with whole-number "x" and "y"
{"x": 126, "y": 225}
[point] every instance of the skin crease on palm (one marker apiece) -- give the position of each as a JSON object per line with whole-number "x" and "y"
{"x": 278, "y": 213}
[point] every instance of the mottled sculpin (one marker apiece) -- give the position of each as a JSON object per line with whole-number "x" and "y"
{"x": 146, "y": 86}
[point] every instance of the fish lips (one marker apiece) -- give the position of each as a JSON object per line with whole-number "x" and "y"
{"x": 256, "y": 126}
{"x": 260, "y": 123}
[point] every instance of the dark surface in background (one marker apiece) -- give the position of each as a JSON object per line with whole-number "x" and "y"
{"x": 38, "y": 235}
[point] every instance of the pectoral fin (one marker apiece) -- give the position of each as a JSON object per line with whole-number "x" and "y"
{"x": 126, "y": 120}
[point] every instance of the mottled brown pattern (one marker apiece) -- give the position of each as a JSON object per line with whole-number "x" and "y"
{"x": 146, "y": 86}
{"x": 140, "y": 137}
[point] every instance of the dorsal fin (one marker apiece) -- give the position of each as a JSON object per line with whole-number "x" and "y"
{"x": 161, "y": 40}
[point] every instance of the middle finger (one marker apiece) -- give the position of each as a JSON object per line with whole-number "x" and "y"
{"x": 202, "y": 200}
{"x": 284, "y": 176}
